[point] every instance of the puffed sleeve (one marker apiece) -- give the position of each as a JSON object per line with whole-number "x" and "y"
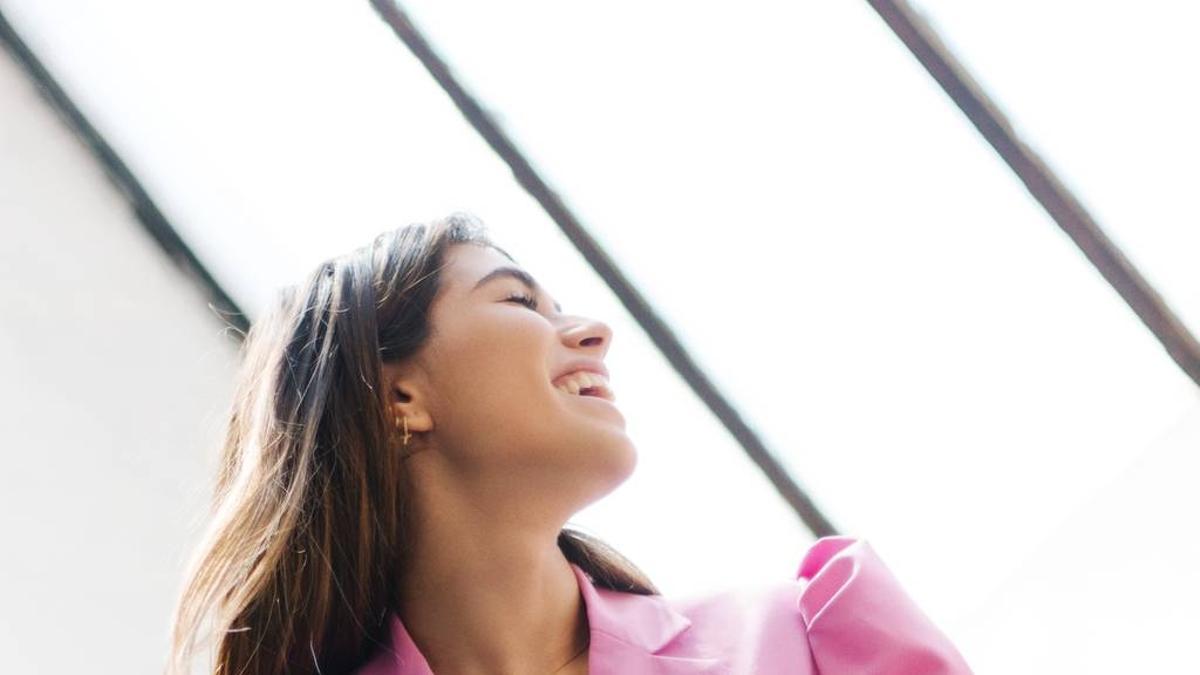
{"x": 859, "y": 619}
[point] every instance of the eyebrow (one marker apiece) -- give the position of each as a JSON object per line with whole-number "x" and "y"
{"x": 514, "y": 273}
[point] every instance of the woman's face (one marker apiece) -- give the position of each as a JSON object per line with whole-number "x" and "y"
{"x": 484, "y": 386}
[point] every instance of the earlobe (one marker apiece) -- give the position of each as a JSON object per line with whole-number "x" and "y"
{"x": 413, "y": 415}
{"x": 406, "y": 401}
{"x": 408, "y": 407}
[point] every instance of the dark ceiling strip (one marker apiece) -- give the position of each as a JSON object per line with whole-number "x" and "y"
{"x": 641, "y": 310}
{"x": 143, "y": 206}
{"x": 923, "y": 41}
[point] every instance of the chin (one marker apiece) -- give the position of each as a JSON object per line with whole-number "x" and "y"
{"x": 606, "y": 469}
{"x": 620, "y": 461}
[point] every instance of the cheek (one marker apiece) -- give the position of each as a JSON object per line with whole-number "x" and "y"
{"x": 496, "y": 383}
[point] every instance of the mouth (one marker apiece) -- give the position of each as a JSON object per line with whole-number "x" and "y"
{"x": 585, "y": 384}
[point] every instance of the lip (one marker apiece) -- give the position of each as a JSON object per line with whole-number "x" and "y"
{"x": 596, "y": 400}
{"x": 590, "y": 365}
{"x": 588, "y": 398}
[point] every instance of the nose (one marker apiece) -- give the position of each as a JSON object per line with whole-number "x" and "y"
{"x": 591, "y": 334}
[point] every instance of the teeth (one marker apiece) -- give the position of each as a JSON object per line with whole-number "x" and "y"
{"x": 576, "y": 381}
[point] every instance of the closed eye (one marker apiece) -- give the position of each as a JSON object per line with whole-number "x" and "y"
{"x": 525, "y": 299}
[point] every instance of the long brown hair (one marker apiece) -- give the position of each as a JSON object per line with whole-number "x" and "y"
{"x": 297, "y": 570}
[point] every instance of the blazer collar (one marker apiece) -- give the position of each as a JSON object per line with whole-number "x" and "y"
{"x": 643, "y": 621}
{"x": 627, "y": 631}
{"x": 629, "y": 634}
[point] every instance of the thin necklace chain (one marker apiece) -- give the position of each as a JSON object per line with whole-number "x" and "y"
{"x": 581, "y": 651}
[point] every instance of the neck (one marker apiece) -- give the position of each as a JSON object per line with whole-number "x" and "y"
{"x": 482, "y": 595}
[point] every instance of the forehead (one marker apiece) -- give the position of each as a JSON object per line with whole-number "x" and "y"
{"x": 467, "y": 263}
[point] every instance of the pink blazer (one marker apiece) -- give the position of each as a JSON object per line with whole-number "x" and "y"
{"x": 844, "y": 614}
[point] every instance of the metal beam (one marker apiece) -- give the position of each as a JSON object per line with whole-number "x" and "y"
{"x": 1066, "y": 210}
{"x": 661, "y": 334}
{"x": 140, "y": 202}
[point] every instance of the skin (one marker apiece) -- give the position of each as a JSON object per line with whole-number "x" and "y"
{"x": 502, "y": 461}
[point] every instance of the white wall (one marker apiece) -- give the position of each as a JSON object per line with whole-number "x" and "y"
{"x": 114, "y": 380}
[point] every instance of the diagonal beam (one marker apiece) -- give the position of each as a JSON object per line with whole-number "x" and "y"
{"x": 140, "y": 202}
{"x": 1066, "y": 210}
{"x": 661, "y": 334}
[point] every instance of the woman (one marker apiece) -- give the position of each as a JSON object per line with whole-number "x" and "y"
{"x": 411, "y": 430}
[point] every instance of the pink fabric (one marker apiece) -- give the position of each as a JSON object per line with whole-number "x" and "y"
{"x": 843, "y": 614}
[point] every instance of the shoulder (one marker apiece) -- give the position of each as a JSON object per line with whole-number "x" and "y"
{"x": 842, "y": 612}
{"x": 859, "y": 618}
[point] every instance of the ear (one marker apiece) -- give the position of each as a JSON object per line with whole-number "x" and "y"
{"x": 407, "y": 395}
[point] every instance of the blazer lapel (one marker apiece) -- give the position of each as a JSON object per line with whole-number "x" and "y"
{"x": 630, "y": 634}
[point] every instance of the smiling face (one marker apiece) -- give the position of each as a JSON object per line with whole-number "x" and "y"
{"x": 483, "y": 387}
